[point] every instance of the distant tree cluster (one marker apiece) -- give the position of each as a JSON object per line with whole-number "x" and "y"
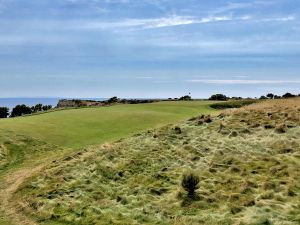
{"x": 222, "y": 97}
{"x": 137, "y": 101}
{"x": 20, "y": 110}
{"x": 272, "y": 96}
{"x": 115, "y": 99}
{"x": 40, "y": 107}
{"x": 4, "y": 112}
{"x": 218, "y": 97}
{"x": 185, "y": 98}
{"x": 182, "y": 98}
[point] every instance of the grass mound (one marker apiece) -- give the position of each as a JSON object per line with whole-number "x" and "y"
{"x": 248, "y": 174}
{"x": 233, "y": 104}
{"x": 16, "y": 149}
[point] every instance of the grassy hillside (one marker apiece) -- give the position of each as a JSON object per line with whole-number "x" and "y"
{"x": 20, "y": 158}
{"x": 80, "y": 127}
{"x": 27, "y": 144}
{"x": 248, "y": 161}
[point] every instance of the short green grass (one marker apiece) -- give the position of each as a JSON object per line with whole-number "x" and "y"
{"x": 80, "y": 127}
{"x": 248, "y": 168}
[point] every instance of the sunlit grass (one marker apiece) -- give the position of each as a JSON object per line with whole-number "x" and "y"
{"x": 80, "y": 127}
{"x": 249, "y": 174}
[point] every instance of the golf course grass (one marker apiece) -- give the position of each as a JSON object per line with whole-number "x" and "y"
{"x": 247, "y": 162}
{"x": 80, "y": 127}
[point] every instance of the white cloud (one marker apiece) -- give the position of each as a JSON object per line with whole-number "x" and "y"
{"x": 152, "y": 23}
{"x": 244, "y": 81}
{"x": 168, "y": 22}
{"x": 157, "y": 22}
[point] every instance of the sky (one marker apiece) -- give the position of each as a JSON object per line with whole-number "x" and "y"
{"x": 149, "y": 48}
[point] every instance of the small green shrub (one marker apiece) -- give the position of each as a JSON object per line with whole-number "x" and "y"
{"x": 190, "y": 183}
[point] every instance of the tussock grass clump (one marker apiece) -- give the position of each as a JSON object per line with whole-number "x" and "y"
{"x": 233, "y": 133}
{"x": 190, "y": 183}
{"x": 207, "y": 119}
{"x": 282, "y": 128}
{"x": 177, "y": 130}
{"x": 269, "y": 126}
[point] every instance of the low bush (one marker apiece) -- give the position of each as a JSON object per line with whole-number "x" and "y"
{"x": 233, "y": 104}
{"x": 190, "y": 183}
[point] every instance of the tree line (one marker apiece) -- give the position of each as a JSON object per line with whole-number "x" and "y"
{"x": 222, "y": 97}
{"x": 20, "y": 110}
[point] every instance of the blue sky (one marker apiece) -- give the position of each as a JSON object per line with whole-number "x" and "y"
{"x": 148, "y": 48}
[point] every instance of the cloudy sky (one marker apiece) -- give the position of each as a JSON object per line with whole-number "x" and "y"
{"x": 148, "y": 48}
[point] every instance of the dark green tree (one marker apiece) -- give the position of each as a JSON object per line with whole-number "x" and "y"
{"x": 263, "y": 97}
{"x": 113, "y": 99}
{"x": 270, "y": 96}
{"x": 46, "y": 107}
{"x": 20, "y": 110}
{"x": 276, "y": 97}
{"x": 37, "y": 108}
{"x": 218, "y": 97}
{"x": 288, "y": 95}
{"x": 4, "y": 112}
{"x": 185, "y": 98}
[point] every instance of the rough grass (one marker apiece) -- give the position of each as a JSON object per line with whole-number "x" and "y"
{"x": 233, "y": 103}
{"x": 16, "y": 149}
{"x": 21, "y": 156}
{"x": 249, "y": 174}
{"x": 80, "y": 127}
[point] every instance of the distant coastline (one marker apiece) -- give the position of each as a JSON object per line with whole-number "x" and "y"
{"x": 12, "y": 102}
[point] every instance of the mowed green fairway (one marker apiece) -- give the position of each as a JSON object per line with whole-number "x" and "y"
{"x": 76, "y": 128}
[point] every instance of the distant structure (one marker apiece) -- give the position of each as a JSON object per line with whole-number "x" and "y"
{"x": 67, "y": 103}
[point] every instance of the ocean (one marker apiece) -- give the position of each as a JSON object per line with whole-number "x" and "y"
{"x": 12, "y": 102}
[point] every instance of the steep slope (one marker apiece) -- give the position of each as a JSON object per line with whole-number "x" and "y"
{"x": 28, "y": 144}
{"x": 248, "y": 161}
